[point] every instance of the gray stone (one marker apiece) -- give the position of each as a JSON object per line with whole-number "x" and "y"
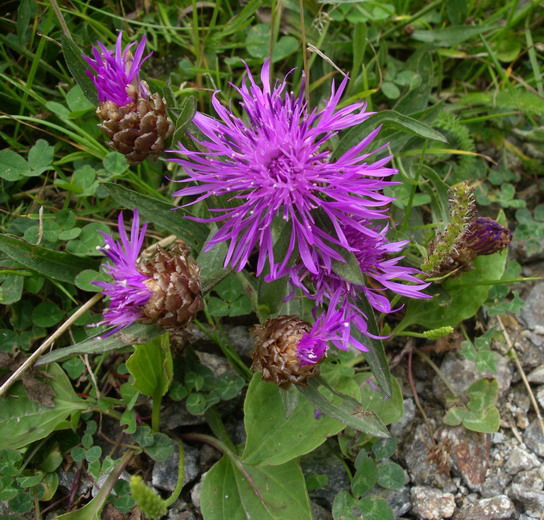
{"x": 495, "y": 508}
{"x": 399, "y": 428}
{"x": 165, "y": 474}
{"x": 324, "y": 462}
{"x": 520, "y": 460}
{"x": 527, "y": 489}
{"x": 533, "y": 310}
{"x": 174, "y": 415}
{"x": 461, "y": 373}
{"x": 534, "y": 439}
{"x": 470, "y": 454}
{"x": 180, "y": 510}
{"x": 241, "y": 339}
{"x": 399, "y": 501}
{"x": 424, "y": 468}
{"x": 319, "y": 512}
{"x": 540, "y": 396}
{"x": 536, "y": 376}
{"x": 195, "y": 493}
{"x": 495, "y": 482}
{"x": 219, "y": 365}
{"x": 431, "y": 504}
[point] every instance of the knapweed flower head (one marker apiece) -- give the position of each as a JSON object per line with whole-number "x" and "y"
{"x": 128, "y": 291}
{"x": 277, "y": 164}
{"x": 116, "y": 74}
{"x": 134, "y": 120}
{"x": 381, "y": 272}
{"x": 485, "y": 236}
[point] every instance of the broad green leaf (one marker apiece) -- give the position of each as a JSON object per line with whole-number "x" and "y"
{"x": 365, "y": 477}
{"x": 389, "y": 410}
{"x": 40, "y": 157}
{"x": 53, "y": 264}
{"x": 455, "y": 416}
{"x": 391, "y": 475}
{"x": 278, "y": 432}
{"x": 373, "y": 508}
{"x": 384, "y": 448}
{"x": 36, "y": 421}
{"x": 135, "y": 334}
{"x": 482, "y": 421}
{"x": 152, "y": 367}
{"x": 161, "y": 214}
{"x": 77, "y": 66}
{"x": 482, "y": 394}
{"x": 12, "y": 166}
{"x": 11, "y": 285}
{"x": 349, "y": 411}
{"x": 227, "y": 495}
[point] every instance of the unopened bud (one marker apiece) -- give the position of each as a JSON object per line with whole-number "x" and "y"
{"x": 276, "y": 351}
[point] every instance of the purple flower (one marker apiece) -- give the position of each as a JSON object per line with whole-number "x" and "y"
{"x": 277, "y": 164}
{"x": 128, "y": 291}
{"x": 116, "y": 74}
{"x": 382, "y": 273}
{"x": 486, "y": 236}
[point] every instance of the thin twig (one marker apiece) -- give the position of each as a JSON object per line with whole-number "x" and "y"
{"x": 514, "y": 356}
{"x": 47, "y": 343}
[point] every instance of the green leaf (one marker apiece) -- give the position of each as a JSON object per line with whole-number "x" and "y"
{"x": 391, "y": 475}
{"x": 375, "y": 357}
{"x": 40, "y": 157}
{"x": 365, "y": 477}
{"x": 46, "y": 314}
{"x": 454, "y": 416}
{"x": 53, "y": 264}
{"x": 373, "y": 508}
{"x": 483, "y": 421}
{"x": 85, "y": 280}
{"x": 389, "y": 410}
{"x": 211, "y": 264}
{"x": 36, "y": 421}
{"x": 132, "y": 335}
{"x": 482, "y": 394}
{"x": 186, "y": 115}
{"x": 226, "y": 493}
{"x": 77, "y": 67}
{"x": 344, "y": 507}
{"x": 152, "y": 367}
{"x": 161, "y": 214}
{"x": 278, "y": 432}
{"x": 115, "y": 163}
{"x": 350, "y": 412}
{"x": 389, "y": 119}
{"x": 13, "y": 167}
{"x": 450, "y": 36}
{"x": 161, "y": 449}
{"x": 11, "y": 285}
{"x": 384, "y": 448}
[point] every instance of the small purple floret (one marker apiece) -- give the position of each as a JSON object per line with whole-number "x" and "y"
{"x": 128, "y": 292}
{"x": 277, "y": 164}
{"x": 113, "y": 72}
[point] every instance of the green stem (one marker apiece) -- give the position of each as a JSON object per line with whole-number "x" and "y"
{"x": 181, "y": 470}
{"x": 304, "y": 52}
{"x": 156, "y": 412}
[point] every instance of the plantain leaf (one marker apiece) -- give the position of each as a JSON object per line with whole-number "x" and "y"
{"x": 77, "y": 67}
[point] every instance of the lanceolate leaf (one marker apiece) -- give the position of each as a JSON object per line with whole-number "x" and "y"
{"x": 77, "y": 66}
{"x": 135, "y": 334}
{"x": 350, "y": 412}
{"x": 54, "y": 264}
{"x": 23, "y": 421}
{"x": 211, "y": 264}
{"x": 163, "y": 215}
{"x": 280, "y": 492}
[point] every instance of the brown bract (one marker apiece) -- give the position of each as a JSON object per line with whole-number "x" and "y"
{"x": 138, "y": 130}
{"x": 275, "y": 354}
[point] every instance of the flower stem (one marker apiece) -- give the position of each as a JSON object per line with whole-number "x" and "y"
{"x": 181, "y": 470}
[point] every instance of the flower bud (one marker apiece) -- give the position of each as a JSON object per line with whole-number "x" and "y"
{"x": 276, "y": 352}
{"x": 147, "y": 499}
{"x": 485, "y": 236}
{"x": 174, "y": 281}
